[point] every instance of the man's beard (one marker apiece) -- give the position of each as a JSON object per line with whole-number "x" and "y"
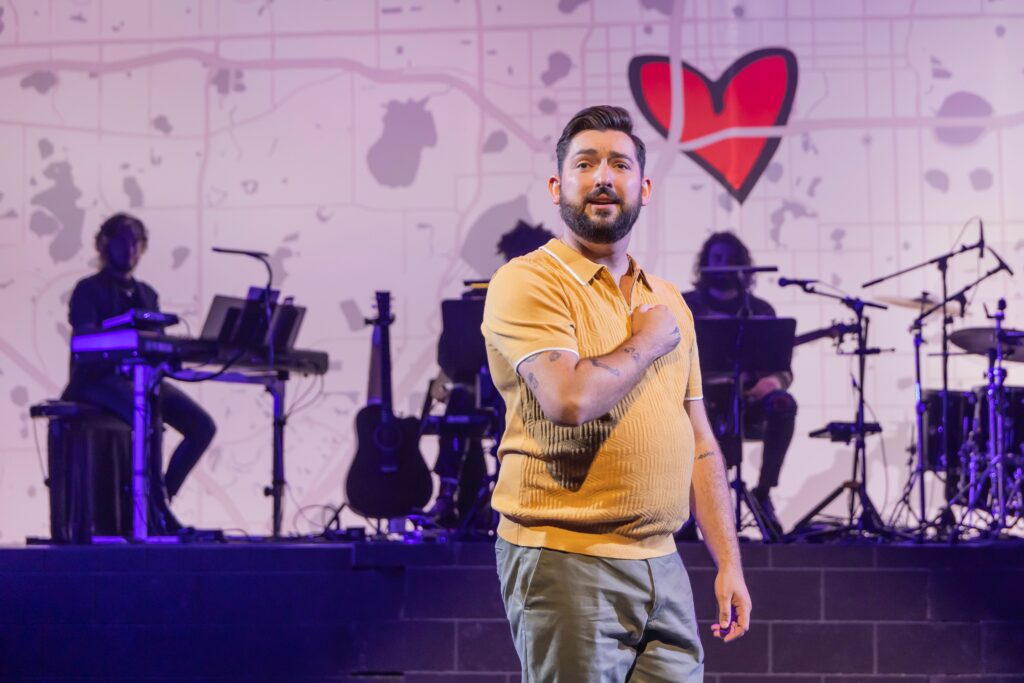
{"x": 580, "y": 223}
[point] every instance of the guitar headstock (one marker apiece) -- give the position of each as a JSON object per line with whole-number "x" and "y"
{"x": 840, "y": 330}
{"x": 383, "y": 306}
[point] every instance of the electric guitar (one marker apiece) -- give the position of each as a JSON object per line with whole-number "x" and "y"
{"x": 388, "y": 477}
{"x": 835, "y": 331}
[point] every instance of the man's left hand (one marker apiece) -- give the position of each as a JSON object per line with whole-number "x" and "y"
{"x": 764, "y": 386}
{"x": 733, "y": 605}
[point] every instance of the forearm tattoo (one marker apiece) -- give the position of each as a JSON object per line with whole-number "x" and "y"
{"x": 705, "y": 454}
{"x": 633, "y": 353}
{"x": 605, "y": 366}
{"x": 532, "y": 380}
{"x": 554, "y": 355}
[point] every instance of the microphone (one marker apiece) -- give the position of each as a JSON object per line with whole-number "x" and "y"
{"x": 1002, "y": 263}
{"x": 243, "y": 252}
{"x": 785, "y": 282}
{"x": 739, "y": 269}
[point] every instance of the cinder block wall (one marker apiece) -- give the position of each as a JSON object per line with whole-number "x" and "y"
{"x": 821, "y": 613}
{"x": 430, "y": 613}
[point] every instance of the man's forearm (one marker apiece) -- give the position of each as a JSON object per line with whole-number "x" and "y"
{"x": 712, "y": 505}
{"x": 596, "y": 384}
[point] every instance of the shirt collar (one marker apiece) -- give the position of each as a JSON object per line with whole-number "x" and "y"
{"x": 583, "y": 269}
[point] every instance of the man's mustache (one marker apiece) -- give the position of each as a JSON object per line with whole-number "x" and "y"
{"x": 604, "y": 194}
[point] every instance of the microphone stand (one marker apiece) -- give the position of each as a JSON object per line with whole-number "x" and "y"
{"x": 275, "y": 387}
{"x": 263, "y": 258}
{"x": 870, "y": 520}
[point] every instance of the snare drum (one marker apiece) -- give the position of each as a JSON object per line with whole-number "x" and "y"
{"x": 962, "y": 406}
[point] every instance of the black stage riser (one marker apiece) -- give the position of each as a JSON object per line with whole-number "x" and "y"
{"x": 432, "y": 613}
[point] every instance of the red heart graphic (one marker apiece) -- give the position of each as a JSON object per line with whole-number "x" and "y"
{"x": 757, "y": 90}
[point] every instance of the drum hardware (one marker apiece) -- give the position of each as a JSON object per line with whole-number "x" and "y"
{"x": 868, "y": 520}
{"x": 994, "y": 473}
{"x": 844, "y": 432}
{"x": 942, "y": 263}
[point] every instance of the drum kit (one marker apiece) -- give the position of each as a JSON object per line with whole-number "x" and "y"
{"x": 975, "y": 439}
{"x": 972, "y": 440}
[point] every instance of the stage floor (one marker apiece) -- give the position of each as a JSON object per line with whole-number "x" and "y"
{"x": 419, "y": 613}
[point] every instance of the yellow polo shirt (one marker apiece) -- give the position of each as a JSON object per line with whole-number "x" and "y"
{"x": 617, "y": 486}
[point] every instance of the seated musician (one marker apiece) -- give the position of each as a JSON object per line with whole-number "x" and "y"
{"x": 462, "y": 470}
{"x": 120, "y": 243}
{"x": 769, "y": 411}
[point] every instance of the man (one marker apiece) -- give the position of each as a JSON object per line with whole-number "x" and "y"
{"x": 606, "y": 437}
{"x": 769, "y": 410}
{"x": 120, "y": 243}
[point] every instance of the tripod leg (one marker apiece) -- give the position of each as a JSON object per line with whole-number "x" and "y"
{"x": 768, "y": 532}
{"x": 809, "y": 517}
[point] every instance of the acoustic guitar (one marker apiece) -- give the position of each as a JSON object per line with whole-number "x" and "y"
{"x": 388, "y": 477}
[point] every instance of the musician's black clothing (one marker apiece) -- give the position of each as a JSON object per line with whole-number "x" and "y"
{"x": 771, "y": 419}
{"x": 103, "y": 296}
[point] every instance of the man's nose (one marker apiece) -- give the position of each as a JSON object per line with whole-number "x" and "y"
{"x": 603, "y": 174}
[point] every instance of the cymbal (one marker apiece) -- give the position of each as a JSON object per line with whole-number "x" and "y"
{"x": 980, "y": 340}
{"x": 916, "y": 303}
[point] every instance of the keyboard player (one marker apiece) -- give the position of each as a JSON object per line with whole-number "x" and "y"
{"x": 120, "y": 243}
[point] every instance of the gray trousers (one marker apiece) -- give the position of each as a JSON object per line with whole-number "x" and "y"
{"x": 577, "y": 618}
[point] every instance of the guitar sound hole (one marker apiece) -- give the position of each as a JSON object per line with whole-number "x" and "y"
{"x": 388, "y": 437}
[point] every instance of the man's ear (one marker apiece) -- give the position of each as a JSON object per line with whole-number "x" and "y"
{"x": 645, "y": 191}
{"x": 555, "y": 189}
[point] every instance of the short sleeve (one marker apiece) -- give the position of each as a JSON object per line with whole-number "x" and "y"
{"x": 694, "y": 383}
{"x": 525, "y": 313}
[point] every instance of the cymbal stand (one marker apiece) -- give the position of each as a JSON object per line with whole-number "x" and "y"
{"x": 869, "y": 520}
{"x": 942, "y": 263}
{"x": 995, "y": 448}
{"x": 959, "y": 296}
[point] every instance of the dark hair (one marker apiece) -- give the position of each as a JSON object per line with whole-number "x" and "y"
{"x": 523, "y": 239}
{"x": 743, "y": 254}
{"x": 116, "y": 225}
{"x": 601, "y": 117}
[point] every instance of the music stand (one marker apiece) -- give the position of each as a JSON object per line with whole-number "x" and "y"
{"x": 741, "y": 346}
{"x": 471, "y": 414}
{"x": 461, "y": 351}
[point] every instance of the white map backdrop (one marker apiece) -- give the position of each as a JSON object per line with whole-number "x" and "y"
{"x": 389, "y": 144}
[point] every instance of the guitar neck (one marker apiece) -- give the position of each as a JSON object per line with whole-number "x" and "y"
{"x": 812, "y": 336}
{"x": 833, "y": 331}
{"x": 387, "y": 410}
